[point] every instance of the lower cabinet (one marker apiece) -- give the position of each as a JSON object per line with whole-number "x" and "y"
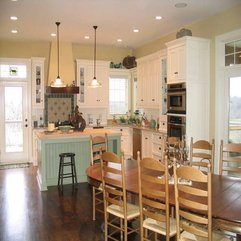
{"x": 146, "y": 144}
{"x": 153, "y": 144}
{"x": 126, "y": 140}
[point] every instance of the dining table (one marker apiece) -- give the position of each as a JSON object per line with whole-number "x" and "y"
{"x": 226, "y": 192}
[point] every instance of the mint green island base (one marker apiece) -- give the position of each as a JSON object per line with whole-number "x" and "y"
{"x": 51, "y": 145}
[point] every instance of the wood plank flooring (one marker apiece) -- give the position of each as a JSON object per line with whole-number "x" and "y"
{"x": 26, "y": 214}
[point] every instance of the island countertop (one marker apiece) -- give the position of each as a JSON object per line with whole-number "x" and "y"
{"x": 42, "y": 135}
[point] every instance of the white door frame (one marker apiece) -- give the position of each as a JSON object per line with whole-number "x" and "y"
{"x": 27, "y": 80}
{"x": 222, "y": 90}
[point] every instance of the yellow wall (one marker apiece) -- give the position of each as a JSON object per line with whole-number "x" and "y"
{"x": 28, "y": 49}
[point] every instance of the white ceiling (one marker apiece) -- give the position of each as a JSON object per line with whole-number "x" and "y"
{"x": 115, "y": 19}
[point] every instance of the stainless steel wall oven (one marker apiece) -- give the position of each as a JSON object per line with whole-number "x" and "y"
{"x": 176, "y": 126}
{"x": 176, "y": 98}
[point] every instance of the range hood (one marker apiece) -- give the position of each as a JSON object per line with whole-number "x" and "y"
{"x": 66, "y": 68}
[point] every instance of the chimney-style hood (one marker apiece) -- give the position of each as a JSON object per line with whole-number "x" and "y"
{"x": 66, "y": 68}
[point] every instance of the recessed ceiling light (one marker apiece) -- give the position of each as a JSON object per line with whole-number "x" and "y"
{"x": 136, "y": 30}
{"x": 87, "y": 37}
{"x": 119, "y": 40}
{"x": 14, "y": 18}
{"x": 14, "y": 0}
{"x": 180, "y": 5}
{"x": 53, "y": 34}
{"x": 14, "y": 31}
{"x": 158, "y": 17}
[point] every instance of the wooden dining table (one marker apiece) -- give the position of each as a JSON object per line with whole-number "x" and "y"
{"x": 226, "y": 192}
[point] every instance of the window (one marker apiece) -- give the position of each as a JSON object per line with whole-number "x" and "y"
{"x": 233, "y": 53}
{"x": 13, "y": 71}
{"x": 118, "y": 93}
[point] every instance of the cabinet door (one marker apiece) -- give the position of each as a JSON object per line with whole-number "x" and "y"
{"x": 154, "y": 85}
{"x": 176, "y": 58}
{"x": 126, "y": 140}
{"x": 148, "y": 85}
{"x": 93, "y": 97}
{"x": 142, "y": 70}
{"x": 38, "y": 82}
{"x": 146, "y": 144}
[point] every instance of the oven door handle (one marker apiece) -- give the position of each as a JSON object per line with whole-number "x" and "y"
{"x": 175, "y": 124}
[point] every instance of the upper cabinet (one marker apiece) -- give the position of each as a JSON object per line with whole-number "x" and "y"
{"x": 37, "y": 82}
{"x": 92, "y": 97}
{"x": 149, "y": 82}
{"x": 176, "y": 63}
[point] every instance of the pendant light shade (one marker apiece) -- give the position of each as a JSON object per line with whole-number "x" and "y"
{"x": 95, "y": 83}
{"x": 58, "y": 82}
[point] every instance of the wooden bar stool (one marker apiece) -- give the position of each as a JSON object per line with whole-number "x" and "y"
{"x": 67, "y": 159}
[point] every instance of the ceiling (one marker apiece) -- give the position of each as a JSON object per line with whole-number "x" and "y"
{"x": 116, "y": 19}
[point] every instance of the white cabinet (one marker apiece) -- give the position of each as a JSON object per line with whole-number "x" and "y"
{"x": 146, "y": 143}
{"x": 37, "y": 82}
{"x": 93, "y": 97}
{"x": 126, "y": 140}
{"x": 176, "y": 69}
{"x": 153, "y": 144}
{"x": 158, "y": 146}
{"x": 149, "y": 80}
{"x": 35, "y": 146}
{"x": 192, "y": 56}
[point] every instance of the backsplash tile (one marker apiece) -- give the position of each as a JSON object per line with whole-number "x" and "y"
{"x": 58, "y": 107}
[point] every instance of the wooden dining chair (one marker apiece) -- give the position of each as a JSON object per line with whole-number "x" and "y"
{"x": 202, "y": 154}
{"x": 154, "y": 199}
{"x": 230, "y": 159}
{"x": 118, "y": 212}
{"x": 230, "y": 165}
{"x": 98, "y": 145}
{"x": 193, "y": 199}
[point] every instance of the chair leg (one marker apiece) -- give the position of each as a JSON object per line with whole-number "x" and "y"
{"x": 93, "y": 202}
{"x": 75, "y": 174}
{"x": 106, "y": 227}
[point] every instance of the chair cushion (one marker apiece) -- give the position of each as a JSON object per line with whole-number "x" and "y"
{"x": 133, "y": 211}
{"x": 160, "y": 227}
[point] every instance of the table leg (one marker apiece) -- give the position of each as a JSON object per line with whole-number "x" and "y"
{"x": 238, "y": 237}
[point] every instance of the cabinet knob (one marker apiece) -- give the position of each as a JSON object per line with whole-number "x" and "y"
{"x": 175, "y": 72}
{"x": 146, "y": 138}
{"x": 153, "y": 99}
{"x": 121, "y": 129}
{"x": 160, "y": 137}
{"x": 160, "y": 148}
{"x": 141, "y": 99}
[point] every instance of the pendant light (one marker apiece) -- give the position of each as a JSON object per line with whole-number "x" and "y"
{"x": 58, "y": 82}
{"x": 95, "y": 83}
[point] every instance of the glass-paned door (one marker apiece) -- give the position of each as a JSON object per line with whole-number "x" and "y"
{"x": 14, "y": 122}
{"x": 235, "y": 109}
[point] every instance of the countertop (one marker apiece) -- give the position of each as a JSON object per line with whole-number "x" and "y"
{"x": 44, "y": 134}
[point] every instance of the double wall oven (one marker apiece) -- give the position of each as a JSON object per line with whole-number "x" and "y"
{"x": 176, "y": 110}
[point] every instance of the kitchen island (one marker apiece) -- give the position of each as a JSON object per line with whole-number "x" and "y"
{"x": 50, "y": 145}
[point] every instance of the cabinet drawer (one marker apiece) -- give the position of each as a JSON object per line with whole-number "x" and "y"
{"x": 158, "y": 138}
{"x": 157, "y": 148}
{"x": 157, "y": 157}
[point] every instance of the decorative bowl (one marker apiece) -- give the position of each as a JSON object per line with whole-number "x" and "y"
{"x": 65, "y": 129}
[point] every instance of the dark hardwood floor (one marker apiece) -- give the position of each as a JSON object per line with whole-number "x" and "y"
{"x": 26, "y": 214}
